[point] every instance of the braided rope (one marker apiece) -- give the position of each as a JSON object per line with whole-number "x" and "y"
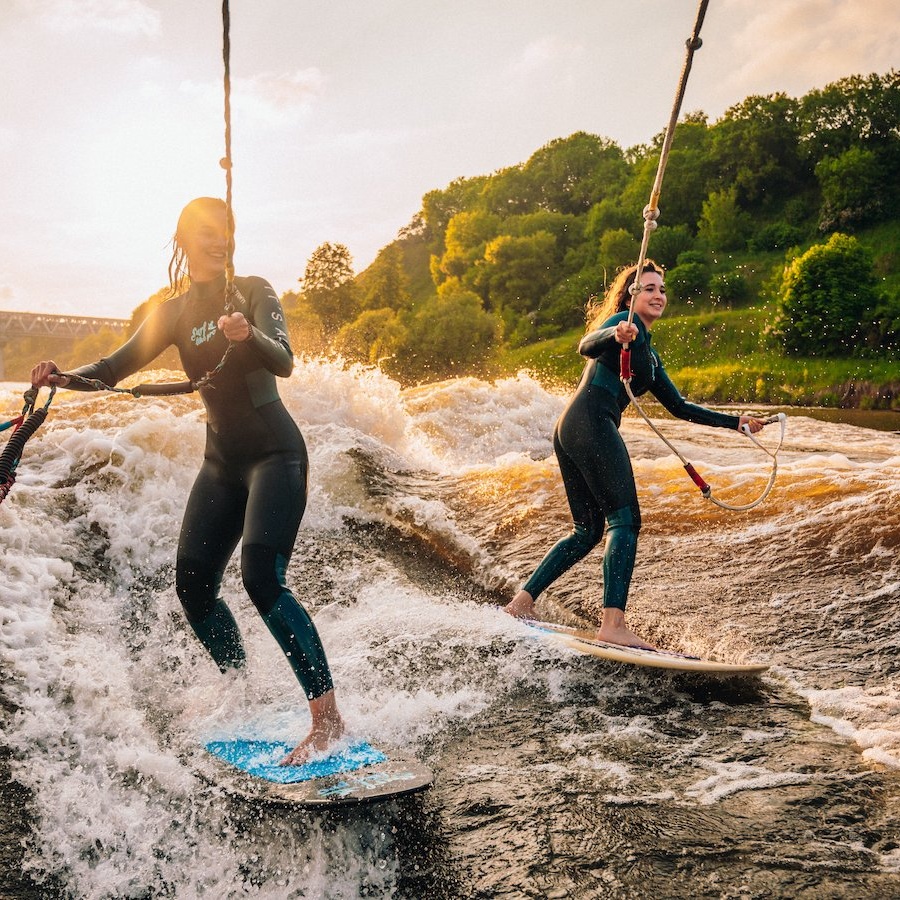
{"x": 233, "y": 296}
{"x": 28, "y": 423}
{"x": 650, "y": 215}
{"x": 651, "y": 210}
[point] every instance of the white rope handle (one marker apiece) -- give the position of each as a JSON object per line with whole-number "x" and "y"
{"x": 778, "y": 417}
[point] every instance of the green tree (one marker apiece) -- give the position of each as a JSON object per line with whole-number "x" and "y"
{"x": 755, "y": 148}
{"x": 511, "y": 192}
{"x": 857, "y": 111}
{"x": 689, "y": 279}
{"x": 517, "y": 271}
{"x": 449, "y": 336}
{"x": 385, "y": 283}
{"x": 563, "y": 306}
{"x": 728, "y": 288}
{"x": 574, "y": 173}
{"x": 851, "y": 187}
{"x": 439, "y": 207}
{"x": 618, "y": 248}
{"x": 723, "y": 224}
{"x": 608, "y": 214}
{"x": 828, "y": 299}
{"x": 468, "y": 233}
{"x": 328, "y": 287}
{"x": 687, "y": 180}
{"x": 373, "y": 337}
{"x": 567, "y": 229}
{"x": 668, "y": 241}
{"x": 306, "y": 330}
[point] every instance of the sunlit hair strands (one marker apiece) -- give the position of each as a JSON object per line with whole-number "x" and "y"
{"x": 618, "y": 294}
{"x": 191, "y": 215}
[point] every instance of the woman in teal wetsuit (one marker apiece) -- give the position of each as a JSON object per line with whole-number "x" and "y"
{"x": 252, "y": 484}
{"x": 593, "y": 459}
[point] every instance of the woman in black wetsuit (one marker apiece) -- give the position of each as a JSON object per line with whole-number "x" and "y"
{"x": 593, "y": 459}
{"x": 252, "y": 484}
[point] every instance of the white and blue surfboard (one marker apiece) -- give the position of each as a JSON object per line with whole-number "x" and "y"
{"x": 353, "y": 774}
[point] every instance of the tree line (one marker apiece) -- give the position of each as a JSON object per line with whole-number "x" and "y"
{"x": 786, "y": 202}
{"x": 508, "y": 259}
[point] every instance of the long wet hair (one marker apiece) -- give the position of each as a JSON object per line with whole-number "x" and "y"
{"x": 618, "y": 294}
{"x": 179, "y": 269}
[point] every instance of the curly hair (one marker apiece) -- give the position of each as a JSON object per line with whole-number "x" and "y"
{"x": 618, "y": 294}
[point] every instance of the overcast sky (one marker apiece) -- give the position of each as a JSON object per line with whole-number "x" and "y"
{"x": 344, "y": 114}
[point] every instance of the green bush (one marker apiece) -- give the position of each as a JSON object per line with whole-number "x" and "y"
{"x": 688, "y": 281}
{"x": 828, "y": 299}
{"x": 776, "y": 236}
{"x": 668, "y": 242}
{"x": 728, "y": 287}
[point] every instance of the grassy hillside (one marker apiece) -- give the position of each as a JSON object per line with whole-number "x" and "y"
{"x": 723, "y": 357}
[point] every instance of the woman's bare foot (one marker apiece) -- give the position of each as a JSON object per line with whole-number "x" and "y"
{"x": 521, "y": 606}
{"x": 327, "y": 727}
{"x": 614, "y": 631}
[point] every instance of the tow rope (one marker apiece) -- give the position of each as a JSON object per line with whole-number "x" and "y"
{"x": 31, "y": 419}
{"x": 650, "y": 215}
{"x": 25, "y": 426}
{"x": 233, "y": 297}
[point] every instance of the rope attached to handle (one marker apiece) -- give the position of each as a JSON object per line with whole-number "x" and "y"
{"x": 651, "y": 210}
{"x": 651, "y": 214}
{"x": 233, "y": 297}
{"x": 25, "y": 426}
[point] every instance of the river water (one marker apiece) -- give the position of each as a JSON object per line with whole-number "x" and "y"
{"x": 556, "y": 775}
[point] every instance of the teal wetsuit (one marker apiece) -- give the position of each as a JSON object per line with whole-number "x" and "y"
{"x": 594, "y": 461}
{"x": 252, "y": 484}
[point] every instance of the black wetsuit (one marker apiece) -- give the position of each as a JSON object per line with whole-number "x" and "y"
{"x": 594, "y": 461}
{"x": 253, "y": 482}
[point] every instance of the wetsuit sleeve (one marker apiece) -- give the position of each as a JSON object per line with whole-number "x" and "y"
{"x": 670, "y": 397}
{"x": 268, "y": 332}
{"x": 596, "y": 342}
{"x": 152, "y": 337}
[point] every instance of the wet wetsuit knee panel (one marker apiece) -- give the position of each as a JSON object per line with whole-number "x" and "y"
{"x": 296, "y": 634}
{"x": 197, "y": 586}
{"x": 263, "y": 571}
{"x": 627, "y": 517}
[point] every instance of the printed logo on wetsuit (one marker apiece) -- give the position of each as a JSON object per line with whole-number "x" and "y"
{"x": 279, "y": 332}
{"x": 203, "y": 333}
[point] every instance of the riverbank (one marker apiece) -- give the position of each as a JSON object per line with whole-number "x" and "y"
{"x": 723, "y": 357}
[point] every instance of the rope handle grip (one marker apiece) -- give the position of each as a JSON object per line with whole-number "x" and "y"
{"x": 697, "y": 478}
{"x": 625, "y": 363}
{"x": 9, "y": 458}
{"x": 163, "y": 390}
{"x": 768, "y": 420}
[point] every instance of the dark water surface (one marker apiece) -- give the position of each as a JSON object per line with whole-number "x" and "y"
{"x": 557, "y": 775}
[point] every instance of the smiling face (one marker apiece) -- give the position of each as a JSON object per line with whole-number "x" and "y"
{"x": 650, "y": 300}
{"x": 202, "y": 234}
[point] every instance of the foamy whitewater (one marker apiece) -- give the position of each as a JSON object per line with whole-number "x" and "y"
{"x": 556, "y": 775}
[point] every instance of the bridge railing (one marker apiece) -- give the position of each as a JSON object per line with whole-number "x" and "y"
{"x": 24, "y": 324}
{"x": 15, "y": 325}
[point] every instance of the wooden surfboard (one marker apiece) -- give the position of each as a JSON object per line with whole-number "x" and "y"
{"x": 585, "y": 642}
{"x": 356, "y": 774}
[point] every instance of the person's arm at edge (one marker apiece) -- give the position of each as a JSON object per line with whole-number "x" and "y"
{"x": 267, "y": 336}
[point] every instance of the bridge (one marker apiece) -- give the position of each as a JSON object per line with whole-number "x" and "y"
{"x": 22, "y": 324}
